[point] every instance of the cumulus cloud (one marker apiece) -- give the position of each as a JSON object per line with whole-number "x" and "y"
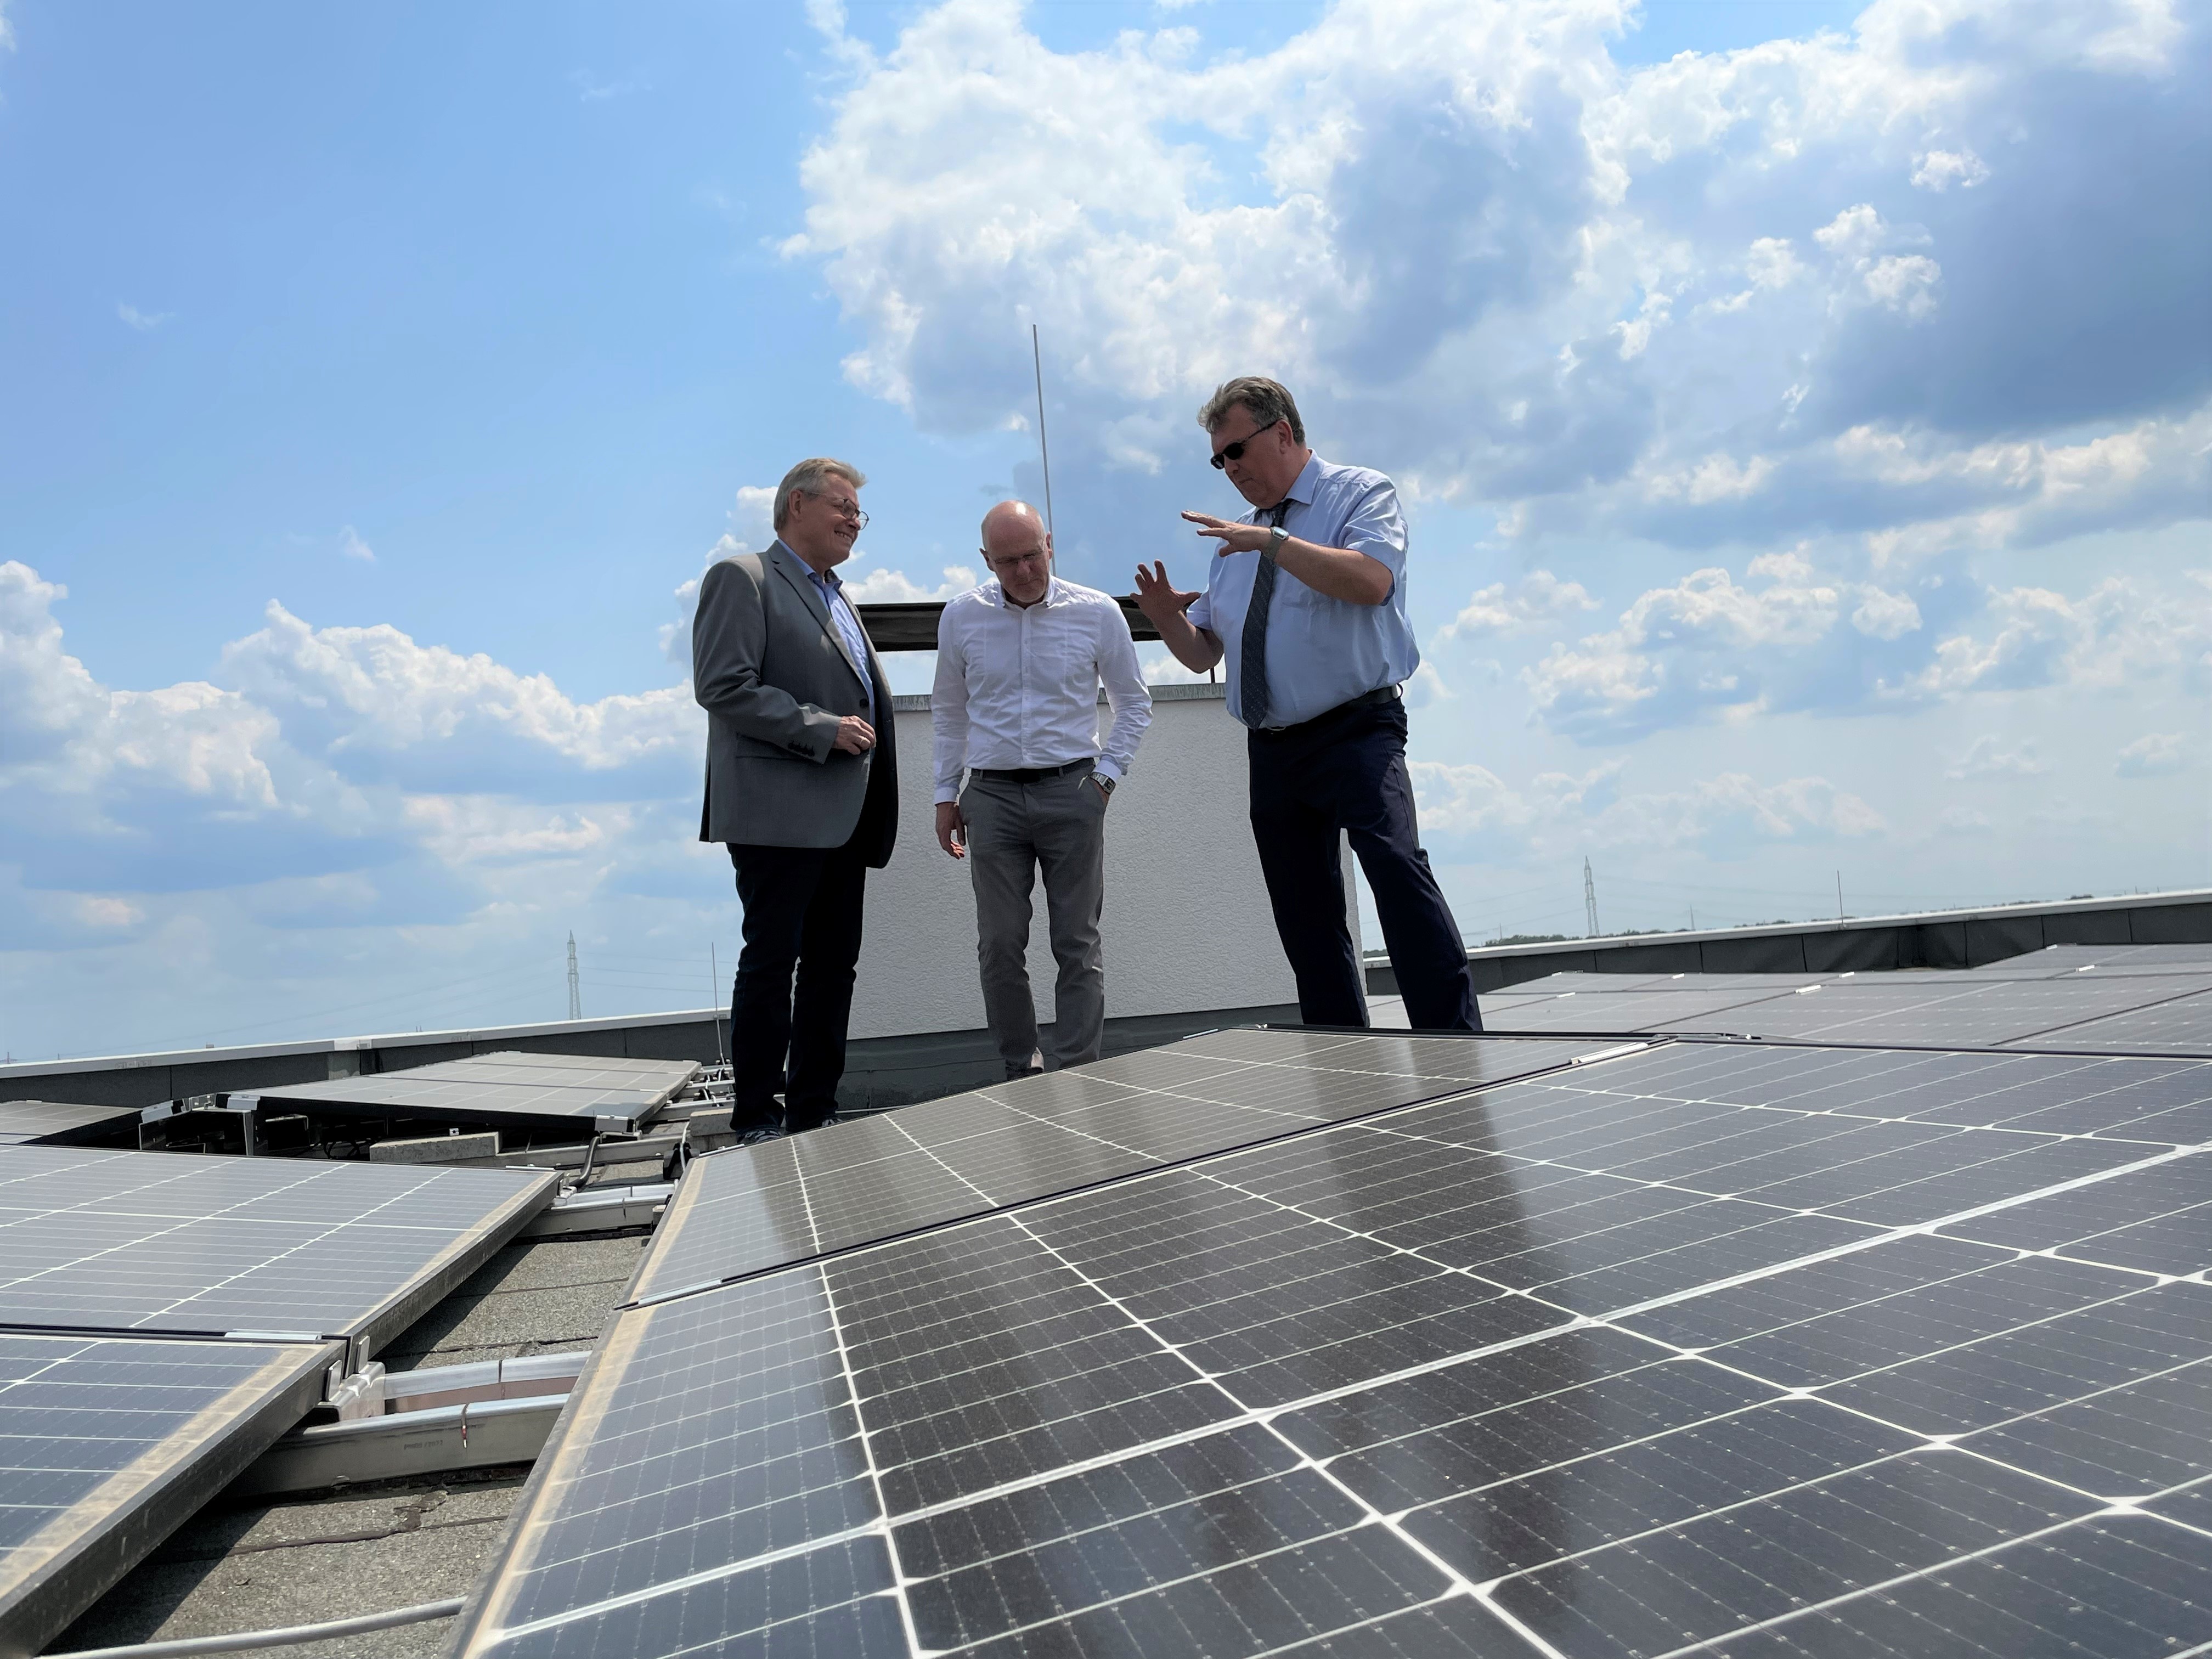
{"x": 351, "y": 756}
{"x": 1987, "y": 757}
{"x": 351, "y": 546}
{"x": 865, "y": 586}
{"x": 1468, "y": 811}
{"x": 1789, "y": 638}
{"x": 1539, "y": 600}
{"x": 1940, "y": 169}
{"x": 2153, "y": 755}
{"x": 1487, "y": 256}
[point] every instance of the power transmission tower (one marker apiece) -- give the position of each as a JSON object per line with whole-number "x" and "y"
{"x": 575, "y": 997}
{"x": 1589, "y": 897}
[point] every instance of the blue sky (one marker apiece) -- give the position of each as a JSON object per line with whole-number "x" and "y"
{"x": 1805, "y": 439}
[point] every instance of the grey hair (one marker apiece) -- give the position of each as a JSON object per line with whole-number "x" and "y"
{"x": 1266, "y": 401}
{"x": 807, "y": 479}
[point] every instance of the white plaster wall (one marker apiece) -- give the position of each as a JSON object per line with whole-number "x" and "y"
{"x": 1187, "y": 925}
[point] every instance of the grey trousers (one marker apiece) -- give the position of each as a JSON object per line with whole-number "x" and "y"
{"x": 1013, "y": 829}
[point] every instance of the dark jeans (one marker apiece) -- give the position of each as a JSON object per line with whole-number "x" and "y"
{"x": 803, "y": 913}
{"x": 1345, "y": 771}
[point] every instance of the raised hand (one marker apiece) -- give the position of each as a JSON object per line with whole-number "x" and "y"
{"x": 1235, "y": 537}
{"x": 1159, "y": 598}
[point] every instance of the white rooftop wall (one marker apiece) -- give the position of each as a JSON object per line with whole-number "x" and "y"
{"x": 1186, "y": 924}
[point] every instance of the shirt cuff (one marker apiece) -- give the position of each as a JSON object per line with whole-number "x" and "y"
{"x": 947, "y": 792}
{"x": 1107, "y": 769}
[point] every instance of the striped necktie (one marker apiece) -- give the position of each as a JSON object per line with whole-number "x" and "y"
{"x": 1252, "y": 660}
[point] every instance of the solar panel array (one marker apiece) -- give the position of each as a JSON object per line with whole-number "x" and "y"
{"x": 578, "y": 1093}
{"x": 61, "y": 1123}
{"x": 110, "y": 1442}
{"x": 1714, "y": 1347}
{"x": 746, "y": 1211}
{"x": 108, "y": 1241}
{"x": 2130, "y": 999}
{"x": 285, "y": 1270}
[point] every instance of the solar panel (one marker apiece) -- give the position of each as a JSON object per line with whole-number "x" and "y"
{"x": 59, "y": 1123}
{"x": 1637, "y": 1011}
{"x": 100, "y": 1241}
{"x": 570, "y": 1093}
{"x": 1934, "y": 1009}
{"x": 106, "y": 1445}
{"x": 750, "y": 1209}
{"x": 1630, "y": 1359}
{"x": 2179, "y": 1025}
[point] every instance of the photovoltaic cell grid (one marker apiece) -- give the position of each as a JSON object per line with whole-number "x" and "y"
{"x": 751, "y": 1209}
{"x": 113, "y": 1241}
{"x": 58, "y": 1123}
{"x": 2124, "y": 1012}
{"x": 107, "y": 1443}
{"x": 582, "y": 1091}
{"x": 1708, "y": 1347}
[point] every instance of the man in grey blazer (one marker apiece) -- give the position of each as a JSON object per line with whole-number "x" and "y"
{"x": 802, "y": 786}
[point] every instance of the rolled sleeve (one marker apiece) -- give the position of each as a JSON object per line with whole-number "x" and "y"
{"x": 1378, "y": 528}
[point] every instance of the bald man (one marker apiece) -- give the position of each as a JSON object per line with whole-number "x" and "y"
{"x": 1019, "y": 662}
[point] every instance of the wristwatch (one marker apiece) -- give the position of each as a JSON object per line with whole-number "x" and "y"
{"x": 1276, "y": 537}
{"x": 1104, "y": 783}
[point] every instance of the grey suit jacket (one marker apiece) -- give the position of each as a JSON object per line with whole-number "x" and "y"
{"x": 774, "y": 679}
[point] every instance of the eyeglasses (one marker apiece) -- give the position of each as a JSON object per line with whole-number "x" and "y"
{"x": 1234, "y": 452}
{"x": 845, "y": 508}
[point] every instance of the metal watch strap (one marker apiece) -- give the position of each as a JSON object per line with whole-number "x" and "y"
{"x": 1276, "y": 537}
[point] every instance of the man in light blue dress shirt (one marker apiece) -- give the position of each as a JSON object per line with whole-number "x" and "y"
{"x": 1305, "y": 606}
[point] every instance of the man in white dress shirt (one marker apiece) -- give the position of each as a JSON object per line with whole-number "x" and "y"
{"x": 1019, "y": 662}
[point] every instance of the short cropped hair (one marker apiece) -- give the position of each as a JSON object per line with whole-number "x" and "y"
{"x": 1266, "y": 401}
{"x": 807, "y": 479}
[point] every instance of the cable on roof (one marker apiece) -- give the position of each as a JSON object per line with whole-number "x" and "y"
{"x": 276, "y": 1639}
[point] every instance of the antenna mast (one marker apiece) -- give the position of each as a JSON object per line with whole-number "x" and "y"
{"x": 576, "y": 1000}
{"x": 1044, "y": 449}
{"x": 1589, "y": 897}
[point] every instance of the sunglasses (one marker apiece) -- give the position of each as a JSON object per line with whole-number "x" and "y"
{"x": 1234, "y": 452}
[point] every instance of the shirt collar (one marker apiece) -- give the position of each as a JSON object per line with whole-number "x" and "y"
{"x": 994, "y": 593}
{"x": 1309, "y": 479}
{"x": 828, "y": 581}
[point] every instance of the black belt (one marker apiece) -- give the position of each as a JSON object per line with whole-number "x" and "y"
{"x": 1367, "y": 700}
{"x": 1035, "y": 773}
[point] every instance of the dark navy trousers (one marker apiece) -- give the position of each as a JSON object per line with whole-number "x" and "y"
{"x": 1345, "y": 771}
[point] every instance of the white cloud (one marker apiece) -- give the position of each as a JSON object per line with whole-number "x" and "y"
{"x": 2153, "y": 755}
{"x": 145, "y": 321}
{"x": 351, "y": 546}
{"x": 1986, "y": 758}
{"x": 1773, "y": 263}
{"x": 1885, "y": 616}
{"x": 1506, "y": 266}
{"x": 1539, "y": 600}
{"x": 1468, "y": 811}
{"x": 1904, "y": 283}
{"x": 350, "y": 774}
{"x": 1962, "y": 821}
{"x": 1939, "y": 169}
{"x": 896, "y": 588}
{"x": 1716, "y": 478}
{"x": 374, "y": 695}
{"x": 1854, "y": 231}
